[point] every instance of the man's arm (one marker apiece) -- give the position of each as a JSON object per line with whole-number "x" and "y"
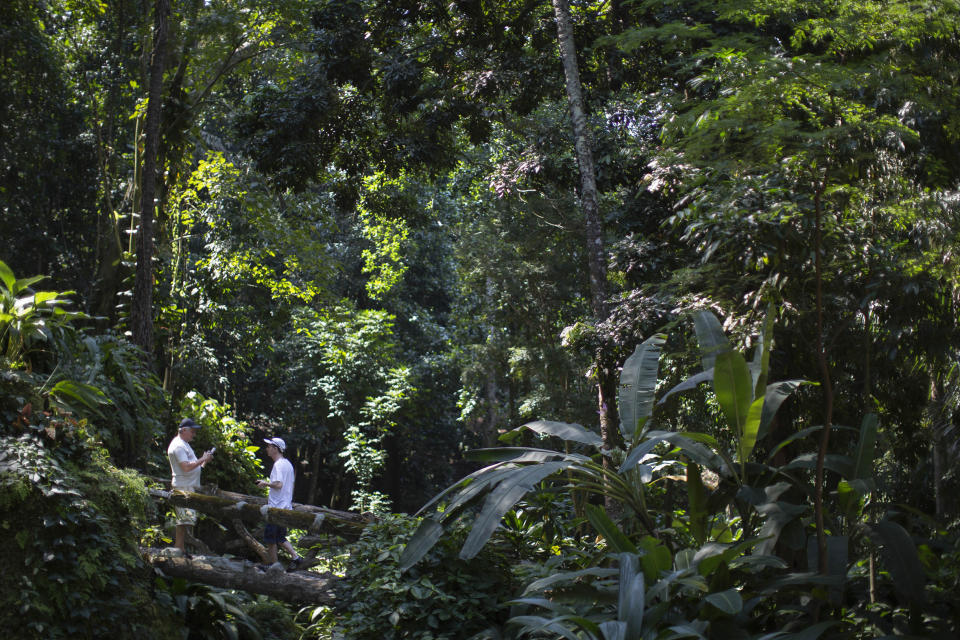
{"x": 193, "y": 464}
{"x": 275, "y": 484}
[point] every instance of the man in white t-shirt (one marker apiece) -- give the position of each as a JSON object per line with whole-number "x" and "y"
{"x": 185, "y": 468}
{"x": 281, "y": 497}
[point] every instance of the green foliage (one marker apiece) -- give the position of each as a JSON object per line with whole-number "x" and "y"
{"x": 444, "y": 597}
{"x": 30, "y": 319}
{"x": 210, "y": 614}
{"x": 72, "y": 567}
{"x": 235, "y": 465}
{"x": 700, "y": 564}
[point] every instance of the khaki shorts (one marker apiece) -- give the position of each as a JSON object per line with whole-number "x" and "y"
{"x": 185, "y": 516}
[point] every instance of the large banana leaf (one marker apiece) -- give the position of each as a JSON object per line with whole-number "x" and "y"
{"x": 502, "y": 499}
{"x": 734, "y": 389}
{"x": 565, "y": 431}
{"x": 901, "y": 558}
{"x": 760, "y": 366}
{"x": 710, "y": 337}
{"x": 692, "y": 445}
{"x": 689, "y": 383}
{"x": 697, "y": 499}
{"x": 422, "y": 541}
{"x": 632, "y": 596}
{"x": 775, "y": 394}
{"x": 607, "y": 528}
{"x": 638, "y": 382}
{"x": 863, "y": 462}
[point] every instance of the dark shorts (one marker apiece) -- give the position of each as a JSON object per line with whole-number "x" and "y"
{"x": 274, "y": 534}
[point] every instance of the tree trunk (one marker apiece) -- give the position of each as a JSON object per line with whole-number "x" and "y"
{"x": 589, "y": 202}
{"x": 936, "y": 425}
{"x": 253, "y": 510}
{"x": 825, "y": 380}
{"x": 301, "y": 587}
{"x": 141, "y": 312}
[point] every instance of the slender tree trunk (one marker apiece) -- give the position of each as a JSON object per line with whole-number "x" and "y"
{"x": 589, "y": 202}
{"x": 142, "y": 306}
{"x": 488, "y": 429}
{"x": 936, "y": 432}
{"x": 825, "y": 379}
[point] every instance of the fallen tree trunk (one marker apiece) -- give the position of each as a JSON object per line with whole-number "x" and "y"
{"x": 362, "y": 519}
{"x": 300, "y": 587}
{"x": 249, "y": 510}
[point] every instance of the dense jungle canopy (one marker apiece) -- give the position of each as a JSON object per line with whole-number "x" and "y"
{"x": 615, "y": 320}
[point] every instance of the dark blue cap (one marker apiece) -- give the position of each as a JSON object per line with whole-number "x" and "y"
{"x": 187, "y": 422}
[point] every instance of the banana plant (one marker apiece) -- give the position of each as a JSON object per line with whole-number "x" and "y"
{"x": 512, "y": 472}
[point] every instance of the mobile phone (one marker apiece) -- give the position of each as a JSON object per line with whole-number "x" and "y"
{"x": 213, "y": 450}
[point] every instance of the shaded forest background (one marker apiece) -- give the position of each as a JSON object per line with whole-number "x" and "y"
{"x": 365, "y": 227}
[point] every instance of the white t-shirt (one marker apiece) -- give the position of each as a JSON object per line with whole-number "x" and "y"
{"x": 181, "y": 451}
{"x": 283, "y": 497}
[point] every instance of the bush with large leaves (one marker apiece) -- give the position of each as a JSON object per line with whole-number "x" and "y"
{"x": 741, "y": 543}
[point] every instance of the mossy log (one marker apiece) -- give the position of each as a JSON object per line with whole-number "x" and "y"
{"x": 298, "y": 587}
{"x": 250, "y": 510}
{"x": 362, "y": 519}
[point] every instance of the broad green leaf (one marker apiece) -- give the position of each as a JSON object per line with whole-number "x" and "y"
{"x": 513, "y": 454}
{"x": 638, "y": 452}
{"x": 749, "y": 438}
{"x": 613, "y": 630}
{"x": 422, "y": 541}
{"x": 656, "y": 560}
{"x": 863, "y": 461}
{"x": 536, "y": 624}
{"x": 632, "y": 595}
{"x": 901, "y": 559}
{"x": 777, "y": 516}
{"x": 729, "y": 601}
{"x": 834, "y": 462}
{"x": 690, "y": 630}
{"x": 760, "y": 367}
{"x": 41, "y": 297}
{"x": 689, "y": 383}
{"x": 776, "y": 393}
{"x": 710, "y": 337}
{"x": 569, "y": 576}
{"x": 564, "y": 431}
{"x": 803, "y": 433}
{"x": 609, "y": 530}
{"x": 24, "y": 283}
{"x": 638, "y": 383}
{"x": 812, "y": 632}
{"x": 697, "y": 499}
{"x": 88, "y": 395}
{"x": 6, "y": 275}
{"x": 734, "y": 389}
{"x": 690, "y": 444}
{"x": 502, "y": 499}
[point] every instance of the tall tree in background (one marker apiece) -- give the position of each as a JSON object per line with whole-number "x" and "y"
{"x": 596, "y": 260}
{"x": 142, "y": 309}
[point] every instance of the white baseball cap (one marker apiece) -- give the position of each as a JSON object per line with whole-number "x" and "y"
{"x": 277, "y": 442}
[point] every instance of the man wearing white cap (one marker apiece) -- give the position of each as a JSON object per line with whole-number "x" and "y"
{"x": 281, "y": 497}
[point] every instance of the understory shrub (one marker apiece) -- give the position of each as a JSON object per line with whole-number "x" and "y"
{"x": 70, "y": 568}
{"x": 235, "y": 465}
{"x": 442, "y": 597}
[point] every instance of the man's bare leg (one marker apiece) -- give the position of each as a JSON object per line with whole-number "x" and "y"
{"x": 180, "y": 536}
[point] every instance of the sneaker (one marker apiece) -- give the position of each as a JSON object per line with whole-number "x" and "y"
{"x": 295, "y": 564}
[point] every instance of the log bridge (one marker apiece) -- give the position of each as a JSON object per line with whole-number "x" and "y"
{"x": 299, "y": 587}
